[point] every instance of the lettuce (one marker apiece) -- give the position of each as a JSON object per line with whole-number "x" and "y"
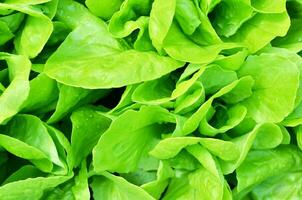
{"x": 150, "y": 99}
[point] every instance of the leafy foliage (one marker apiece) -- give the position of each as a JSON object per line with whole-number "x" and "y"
{"x": 150, "y": 99}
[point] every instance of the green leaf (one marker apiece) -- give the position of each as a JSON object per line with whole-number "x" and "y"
{"x": 245, "y": 142}
{"x": 184, "y": 161}
{"x": 223, "y": 149}
{"x": 223, "y": 120}
{"x": 231, "y": 15}
{"x": 43, "y": 91}
{"x": 162, "y": 90}
{"x": 267, "y": 70}
{"x": 272, "y": 162}
{"x": 298, "y": 131}
{"x": 286, "y": 186}
{"x": 125, "y": 100}
{"x": 205, "y": 158}
{"x": 292, "y": 40}
{"x": 170, "y": 147}
{"x": 241, "y": 91}
{"x": 266, "y": 6}
{"x": 187, "y": 16}
{"x": 98, "y": 48}
{"x": 37, "y": 25}
{"x": 16, "y": 93}
{"x": 71, "y": 98}
{"x": 26, "y": 2}
{"x": 150, "y": 99}
{"x": 199, "y": 183}
{"x": 104, "y": 9}
{"x": 194, "y": 120}
{"x": 81, "y": 190}
{"x": 25, "y": 151}
{"x": 161, "y": 18}
{"x": 26, "y": 171}
{"x": 180, "y": 47}
{"x": 268, "y": 139}
{"x": 214, "y": 78}
{"x": 125, "y": 152}
{"x": 268, "y": 26}
{"x": 87, "y": 127}
{"x": 231, "y": 62}
{"x": 157, "y": 187}
{"x": 191, "y": 100}
{"x": 63, "y": 148}
{"x": 109, "y": 186}
{"x": 31, "y": 188}
{"x": 30, "y": 130}
{"x": 129, "y": 17}
{"x": 6, "y": 34}
{"x": 208, "y": 6}
{"x": 178, "y": 187}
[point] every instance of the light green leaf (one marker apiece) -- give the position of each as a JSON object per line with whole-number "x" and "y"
{"x": 26, "y": 2}
{"x": 161, "y": 90}
{"x": 298, "y": 131}
{"x": 124, "y": 146}
{"x": 268, "y": 26}
{"x": 187, "y": 16}
{"x": 16, "y": 93}
{"x": 103, "y": 9}
{"x": 109, "y": 186}
{"x": 170, "y": 147}
{"x": 286, "y": 186}
{"x": 214, "y": 78}
{"x": 223, "y": 120}
{"x": 205, "y": 158}
{"x": 71, "y": 98}
{"x": 242, "y": 91}
{"x": 157, "y": 187}
{"x": 25, "y": 151}
{"x": 272, "y": 162}
{"x": 161, "y": 18}
{"x": 245, "y": 142}
{"x": 223, "y": 149}
{"x": 26, "y": 171}
{"x": 267, "y": 70}
{"x": 30, "y": 130}
{"x": 184, "y": 161}
{"x": 231, "y": 62}
{"x": 194, "y": 120}
{"x": 99, "y": 49}
{"x": 191, "y": 100}
{"x": 293, "y": 38}
{"x": 87, "y": 127}
{"x": 199, "y": 184}
{"x": 267, "y": 6}
{"x": 81, "y": 190}
{"x": 231, "y": 15}
{"x": 126, "y": 99}
{"x": 180, "y": 47}
{"x": 268, "y": 139}
{"x": 43, "y": 91}
{"x": 31, "y": 188}
{"x": 37, "y": 30}
{"x": 129, "y": 17}
{"x": 6, "y": 34}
